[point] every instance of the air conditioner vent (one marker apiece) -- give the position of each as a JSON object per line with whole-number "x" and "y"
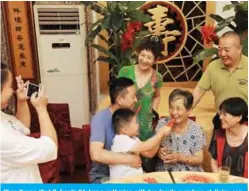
{"x": 59, "y": 20}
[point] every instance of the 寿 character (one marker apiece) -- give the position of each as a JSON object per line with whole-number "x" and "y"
{"x": 159, "y": 25}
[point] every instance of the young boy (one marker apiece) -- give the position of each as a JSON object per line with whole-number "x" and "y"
{"x": 126, "y": 141}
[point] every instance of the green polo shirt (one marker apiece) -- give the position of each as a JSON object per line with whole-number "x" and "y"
{"x": 225, "y": 84}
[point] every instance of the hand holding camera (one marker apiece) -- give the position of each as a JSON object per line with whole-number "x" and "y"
{"x": 21, "y": 91}
{"x": 39, "y": 100}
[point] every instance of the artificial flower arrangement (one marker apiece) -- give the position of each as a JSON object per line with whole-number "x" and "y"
{"x": 123, "y": 21}
{"x": 237, "y": 23}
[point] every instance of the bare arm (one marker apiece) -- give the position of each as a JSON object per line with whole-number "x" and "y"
{"x": 101, "y": 155}
{"x": 152, "y": 152}
{"x": 23, "y": 113}
{"x": 156, "y": 99}
{"x": 196, "y": 159}
{"x": 150, "y": 147}
{"x": 149, "y": 144}
{"x": 197, "y": 93}
{"x": 214, "y": 165}
{"x": 46, "y": 126}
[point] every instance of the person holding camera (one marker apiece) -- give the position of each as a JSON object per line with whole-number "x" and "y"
{"x": 20, "y": 154}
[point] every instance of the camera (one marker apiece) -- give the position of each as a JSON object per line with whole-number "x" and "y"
{"x": 31, "y": 88}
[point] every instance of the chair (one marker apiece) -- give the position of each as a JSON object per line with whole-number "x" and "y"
{"x": 86, "y": 131}
{"x": 79, "y": 153}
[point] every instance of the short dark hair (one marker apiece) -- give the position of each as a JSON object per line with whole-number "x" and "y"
{"x": 121, "y": 117}
{"x": 153, "y": 44}
{"x": 186, "y": 95}
{"x": 235, "y": 106}
{"x": 232, "y": 33}
{"x": 4, "y": 73}
{"x": 119, "y": 87}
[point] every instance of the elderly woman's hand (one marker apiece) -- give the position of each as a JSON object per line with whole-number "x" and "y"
{"x": 162, "y": 153}
{"x": 172, "y": 158}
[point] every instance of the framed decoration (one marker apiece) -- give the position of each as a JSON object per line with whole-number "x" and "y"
{"x": 21, "y": 42}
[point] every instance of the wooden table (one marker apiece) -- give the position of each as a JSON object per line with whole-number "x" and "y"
{"x": 163, "y": 177}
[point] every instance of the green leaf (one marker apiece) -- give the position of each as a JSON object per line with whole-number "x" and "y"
{"x": 106, "y": 22}
{"x": 116, "y": 20}
{"x": 208, "y": 52}
{"x": 103, "y": 59}
{"x": 142, "y": 33}
{"x": 228, "y": 7}
{"x": 218, "y": 18}
{"x": 105, "y": 51}
{"x": 128, "y": 53}
{"x": 245, "y": 45}
{"x": 243, "y": 6}
{"x": 138, "y": 15}
{"x": 95, "y": 24}
{"x": 226, "y": 22}
{"x": 125, "y": 62}
{"x": 117, "y": 40}
{"x": 135, "y": 44}
{"x": 123, "y": 6}
{"x": 132, "y": 5}
{"x": 92, "y": 34}
{"x": 234, "y": 2}
{"x": 103, "y": 38}
{"x": 95, "y": 7}
{"x": 111, "y": 6}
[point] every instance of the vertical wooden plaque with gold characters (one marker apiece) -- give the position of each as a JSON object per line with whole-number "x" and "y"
{"x": 21, "y": 42}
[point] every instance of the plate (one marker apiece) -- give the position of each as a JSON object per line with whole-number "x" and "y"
{"x": 196, "y": 178}
{"x": 150, "y": 180}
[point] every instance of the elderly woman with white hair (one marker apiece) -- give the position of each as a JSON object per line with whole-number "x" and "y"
{"x": 182, "y": 150}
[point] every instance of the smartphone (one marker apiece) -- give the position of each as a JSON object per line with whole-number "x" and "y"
{"x": 31, "y": 88}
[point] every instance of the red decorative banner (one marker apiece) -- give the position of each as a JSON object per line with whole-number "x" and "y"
{"x": 17, "y": 18}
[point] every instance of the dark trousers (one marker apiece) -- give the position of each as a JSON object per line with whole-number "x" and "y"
{"x": 149, "y": 165}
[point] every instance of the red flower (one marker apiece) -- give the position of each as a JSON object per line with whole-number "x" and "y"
{"x": 127, "y": 40}
{"x": 128, "y": 36}
{"x": 208, "y": 34}
{"x": 137, "y": 25}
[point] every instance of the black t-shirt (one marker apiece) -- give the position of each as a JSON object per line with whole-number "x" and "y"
{"x": 233, "y": 157}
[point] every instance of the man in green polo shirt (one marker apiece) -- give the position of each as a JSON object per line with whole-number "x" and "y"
{"x": 226, "y": 77}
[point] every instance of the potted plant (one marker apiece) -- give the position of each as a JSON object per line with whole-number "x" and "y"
{"x": 123, "y": 22}
{"x": 209, "y": 33}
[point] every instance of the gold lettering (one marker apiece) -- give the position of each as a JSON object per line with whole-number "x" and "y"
{"x": 159, "y": 26}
